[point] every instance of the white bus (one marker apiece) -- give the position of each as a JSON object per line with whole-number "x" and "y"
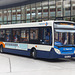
{"x": 47, "y": 39}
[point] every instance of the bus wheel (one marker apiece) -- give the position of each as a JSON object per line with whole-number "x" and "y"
{"x": 1, "y": 48}
{"x": 33, "y": 53}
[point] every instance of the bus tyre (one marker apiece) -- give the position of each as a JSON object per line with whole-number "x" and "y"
{"x": 1, "y": 49}
{"x": 33, "y": 53}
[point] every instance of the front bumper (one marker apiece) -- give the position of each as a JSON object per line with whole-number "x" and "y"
{"x": 52, "y": 54}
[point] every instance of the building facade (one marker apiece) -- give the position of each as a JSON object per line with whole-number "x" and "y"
{"x": 37, "y": 10}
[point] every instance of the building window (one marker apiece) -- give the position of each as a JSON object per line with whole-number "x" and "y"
{"x": 59, "y": 8}
{"x": 67, "y": 19}
{"x": 39, "y": 12}
{"x": 1, "y": 15}
{"x": 23, "y": 12}
{"x": 73, "y": 7}
{"x": 5, "y": 15}
{"x": 9, "y": 14}
{"x": 52, "y": 8}
{"x": 33, "y": 11}
{"x": 28, "y": 12}
{"x": 18, "y": 13}
{"x": 45, "y": 11}
{"x": 13, "y": 14}
{"x": 67, "y": 8}
{"x": 45, "y": 3}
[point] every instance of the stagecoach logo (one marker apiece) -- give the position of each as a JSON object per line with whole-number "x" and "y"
{"x": 67, "y": 49}
{"x": 43, "y": 23}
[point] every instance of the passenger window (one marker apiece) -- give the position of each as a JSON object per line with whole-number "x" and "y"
{"x": 24, "y": 35}
{"x": 46, "y": 36}
{"x": 8, "y": 36}
{"x": 16, "y": 35}
{"x": 2, "y": 35}
{"x": 34, "y": 33}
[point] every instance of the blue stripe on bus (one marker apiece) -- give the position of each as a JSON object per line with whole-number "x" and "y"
{"x": 14, "y": 51}
{"x": 40, "y": 54}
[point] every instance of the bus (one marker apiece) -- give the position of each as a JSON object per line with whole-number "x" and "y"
{"x": 46, "y": 39}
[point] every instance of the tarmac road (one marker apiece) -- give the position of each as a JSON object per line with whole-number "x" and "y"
{"x": 18, "y": 65}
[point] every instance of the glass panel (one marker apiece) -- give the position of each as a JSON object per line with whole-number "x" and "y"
{"x": 16, "y": 35}
{"x": 5, "y": 15}
{"x": 73, "y": 19}
{"x": 33, "y": 20}
{"x": 52, "y": 18}
{"x": 1, "y": 15}
{"x": 2, "y": 35}
{"x": 13, "y": 14}
{"x": 9, "y": 14}
{"x": 66, "y": 7}
{"x": 38, "y": 4}
{"x": 5, "y": 22}
{"x": 28, "y": 12}
{"x": 24, "y": 35}
{"x": 67, "y": 18}
{"x": 14, "y": 22}
{"x": 44, "y": 2}
{"x": 8, "y": 36}
{"x": 46, "y": 36}
{"x": 39, "y": 20}
{"x": 23, "y": 12}
{"x": 34, "y": 33}
{"x": 19, "y": 22}
{"x": 52, "y": 8}
{"x": 1, "y": 23}
{"x": 59, "y": 9}
{"x": 33, "y": 11}
{"x": 73, "y": 7}
{"x": 46, "y": 19}
{"x": 9, "y": 22}
{"x": 23, "y": 21}
{"x": 64, "y": 38}
{"x": 38, "y": 12}
{"x": 27, "y": 21}
{"x": 18, "y": 13}
{"x": 45, "y": 11}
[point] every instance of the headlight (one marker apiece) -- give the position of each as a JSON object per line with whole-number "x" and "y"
{"x": 57, "y": 51}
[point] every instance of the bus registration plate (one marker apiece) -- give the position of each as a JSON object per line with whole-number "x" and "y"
{"x": 67, "y": 56}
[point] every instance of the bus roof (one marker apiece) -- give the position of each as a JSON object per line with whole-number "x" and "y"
{"x": 34, "y": 24}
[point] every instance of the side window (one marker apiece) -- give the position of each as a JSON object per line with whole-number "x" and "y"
{"x": 25, "y": 35}
{"x": 8, "y": 36}
{"x": 34, "y": 34}
{"x": 16, "y": 35}
{"x": 2, "y": 35}
{"x": 46, "y": 36}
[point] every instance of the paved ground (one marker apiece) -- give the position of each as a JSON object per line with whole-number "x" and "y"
{"x": 18, "y": 65}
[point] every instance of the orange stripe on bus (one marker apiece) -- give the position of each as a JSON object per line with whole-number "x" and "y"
{"x": 1, "y": 43}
